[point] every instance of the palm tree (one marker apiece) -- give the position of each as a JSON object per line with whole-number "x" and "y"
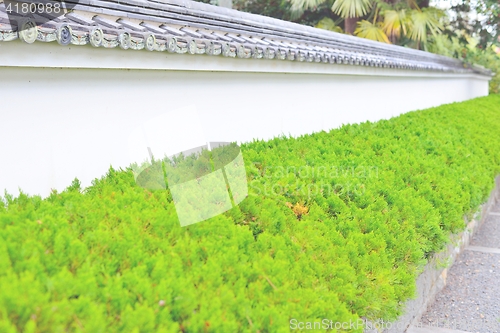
{"x": 395, "y": 24}
{"x": 392, "y": 19}
{"x": 423, "y": 21}
{"x": 351, "y": 10}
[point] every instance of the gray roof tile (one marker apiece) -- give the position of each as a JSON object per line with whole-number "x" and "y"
{"x": 207, "y": 34}
{"x": 235, "y": 38}
{"x": 105, "y": 22}
{"x": 153, "y": 28}
{"x": 248, "y": 39}
{"x": 80, "y": 19}
{"x": 224, "y": 31}
{"x": 131, "y": 25}
{"x": 222, "y": 37}
{"x": 173, "y": 31}
{"x": 191, "y": 33}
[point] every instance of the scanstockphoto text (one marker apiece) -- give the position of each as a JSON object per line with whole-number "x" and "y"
{"x": 328, "y": 324}
{"x": 469, "y": 325}
{"x": 310, "y": 181}
{"x": 317, "y": 171}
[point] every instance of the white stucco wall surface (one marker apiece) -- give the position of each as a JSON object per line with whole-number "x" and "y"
{"x": 69, "y": 112}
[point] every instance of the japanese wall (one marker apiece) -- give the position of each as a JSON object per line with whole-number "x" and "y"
{"x": 68, "y": 112}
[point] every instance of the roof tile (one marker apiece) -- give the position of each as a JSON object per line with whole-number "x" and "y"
{"x": 107, "y": 23}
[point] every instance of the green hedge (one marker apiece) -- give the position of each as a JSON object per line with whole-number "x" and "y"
{"x": 336, "y": 226}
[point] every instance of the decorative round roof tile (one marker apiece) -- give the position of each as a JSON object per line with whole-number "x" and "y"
{"x": 29, "y": 31}
{"x": 150, "y": 42}
{"x": 124, "y": 39}
{"x": 64, "y": 34}
{"x": 96, "y": 37}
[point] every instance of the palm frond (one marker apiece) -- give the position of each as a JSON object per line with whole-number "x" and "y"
{"x": 351, "y": 8}
{"x": 371, "y": 31}
{"x": 395, "y": 22}
{"x": 424, "y": 21}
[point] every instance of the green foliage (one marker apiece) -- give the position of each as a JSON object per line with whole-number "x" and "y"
{"x": 399, "y": 22}
{"x": 273, "y": 8}
{"x": 337, "y": 225}
{"x": 411, "y": 24}
{"x": 327, "y": 23}
{"x": 470, "y": 34}
{"x": 480, "y": 19}
{"x": 424, "y": 22}
{"x": 395, "y": 23}
{"x": 351, "y": 8}
{"x": 373, "y": 31}
{"x": 469, "y": 51}
{"x": 488, "y": 58}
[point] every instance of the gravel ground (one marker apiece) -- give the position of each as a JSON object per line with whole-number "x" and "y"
{"x": 489, "y": 233}
{"x": 496, "y": 208}
{"x": 471, "y": 299}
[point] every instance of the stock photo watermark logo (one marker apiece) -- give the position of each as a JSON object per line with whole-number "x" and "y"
{"x": 380, "y": 325}
{"x": 310, "y": 181}
{"x": 204, "y": 180}
{"x": 26, "y": 16}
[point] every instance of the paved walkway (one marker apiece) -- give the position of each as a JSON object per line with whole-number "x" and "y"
{"x": 470, "y": 302}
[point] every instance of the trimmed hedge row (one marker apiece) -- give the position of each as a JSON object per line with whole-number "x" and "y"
{"x": 336, "y": 226}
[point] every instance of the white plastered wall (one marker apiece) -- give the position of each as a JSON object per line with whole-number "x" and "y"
{"x": 67, "y": 112}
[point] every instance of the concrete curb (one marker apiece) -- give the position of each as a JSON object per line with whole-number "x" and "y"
{"x": 433, "y": 277}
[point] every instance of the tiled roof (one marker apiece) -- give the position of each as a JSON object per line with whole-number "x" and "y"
{"x": 182, "y": 26}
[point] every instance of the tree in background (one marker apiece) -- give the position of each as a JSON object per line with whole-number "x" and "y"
{"x": 412, "y": 23}
{"x": 479, "y": 19}
{"x": 471, "y": 34}
{"x": 274, "y": 8}
{"x": 399, "y": 22}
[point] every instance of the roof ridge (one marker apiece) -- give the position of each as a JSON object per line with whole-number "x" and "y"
{"x": 161, "y": 25}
